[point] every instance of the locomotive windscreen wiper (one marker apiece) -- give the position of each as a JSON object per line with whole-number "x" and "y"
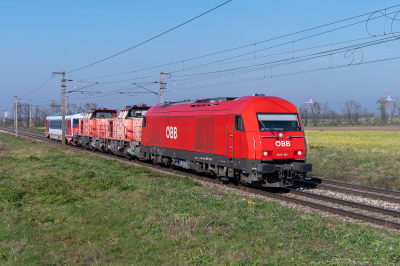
{"x": 264, "y": 127}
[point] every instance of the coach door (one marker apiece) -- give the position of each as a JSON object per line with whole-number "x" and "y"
{"x": 69, "y": 133}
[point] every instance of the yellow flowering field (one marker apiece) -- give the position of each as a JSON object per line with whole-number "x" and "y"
{"x": 372, "y": 141}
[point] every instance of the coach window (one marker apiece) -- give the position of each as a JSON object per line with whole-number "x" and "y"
{"x": 239, "y": 126}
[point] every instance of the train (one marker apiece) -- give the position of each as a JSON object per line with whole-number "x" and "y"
{"x": 252, "y": 140}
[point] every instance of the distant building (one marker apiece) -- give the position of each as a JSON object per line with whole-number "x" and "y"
{"x": 7, "y": 115}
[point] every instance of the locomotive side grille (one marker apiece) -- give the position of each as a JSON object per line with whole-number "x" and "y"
{"x": 209, "y": 133}
{"x": 155, "y": 130}
{"x": 151, "y": 128}
{"x": 159, "y": 131}
{"x": 198, "y": 129}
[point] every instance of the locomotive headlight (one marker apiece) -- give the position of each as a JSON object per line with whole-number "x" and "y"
{"x": 265, "y": 153}
{"x": 299, "y": 152}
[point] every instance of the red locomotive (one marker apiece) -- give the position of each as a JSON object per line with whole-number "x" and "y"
{"x": 254, "y": 139}
{"x": 103, "y": 130}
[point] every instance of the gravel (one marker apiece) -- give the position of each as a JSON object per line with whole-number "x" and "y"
{"x": 355, "y": 198}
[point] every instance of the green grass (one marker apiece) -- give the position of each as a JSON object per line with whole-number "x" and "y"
{"x": 62, "y": 207}
{"x": 364, "y": 168}
{"x": 38, "y": 129}
{"x": 361, "y": 157}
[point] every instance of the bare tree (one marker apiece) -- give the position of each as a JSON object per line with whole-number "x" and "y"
{"x": 367, "y": 115}
{"x": 25, "y": 109}
{"x": 349, "y": 111}
{"x": 36, "y": 121}
{"x": 333, "y": 118}
{"x": 397, "y": 105}
{"x": 325, "y": 112}
{"x": 357, "y": 112}
{"x": 382, "y": 110}
{"x": 315, "y": 110}
{"x": 304, "y": 111}
{"x": 392, "y": 110}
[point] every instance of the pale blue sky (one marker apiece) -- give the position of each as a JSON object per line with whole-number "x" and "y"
{"x": 39, "y": 37}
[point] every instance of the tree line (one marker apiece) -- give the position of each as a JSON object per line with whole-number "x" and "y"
{"x": 351, "y": 113}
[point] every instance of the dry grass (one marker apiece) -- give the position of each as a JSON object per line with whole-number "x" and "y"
{"x": 182, "y": 226}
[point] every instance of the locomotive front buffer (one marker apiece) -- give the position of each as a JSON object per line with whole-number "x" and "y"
{"x": 282, "y": 174}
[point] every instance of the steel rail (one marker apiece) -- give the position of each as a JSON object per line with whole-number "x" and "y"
{"x": 351, "y": 191}
{"x": 347, "y": 203}
{"x": 354, "y": 186}
{"x": 359, "y": 216}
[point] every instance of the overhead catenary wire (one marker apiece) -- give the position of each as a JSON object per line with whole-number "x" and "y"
{"x": 219, "y": 63}
{"x": 248, "y": 45}
{"x": 285, "y": 75}
{"x": 274, "y": 64}
{"x": 125, "y": 80}
{"x": 13, "y": 98}
{"x": 37, "y": 88}
{"x": 155, "y": 37}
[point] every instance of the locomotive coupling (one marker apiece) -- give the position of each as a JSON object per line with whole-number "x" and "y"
{"x": 302, "y": 167}
{"x": 266, "y": 168}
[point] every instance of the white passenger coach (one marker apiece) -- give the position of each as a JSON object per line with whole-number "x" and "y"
{"x": 54, "y": 126}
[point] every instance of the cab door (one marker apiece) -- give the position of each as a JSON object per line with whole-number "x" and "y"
{"x": 230, "y": 129}
{"x": 237, "y": 136}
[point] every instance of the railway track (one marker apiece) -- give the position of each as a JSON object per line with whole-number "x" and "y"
{"x": 363, "y": 212}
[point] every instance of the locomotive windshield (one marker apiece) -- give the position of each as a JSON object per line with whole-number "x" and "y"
{"x": 278, "y": 122}
{"x": 102, "y": 115}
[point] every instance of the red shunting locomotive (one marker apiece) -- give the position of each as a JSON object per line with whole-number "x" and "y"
{"x": 256, "y": 140}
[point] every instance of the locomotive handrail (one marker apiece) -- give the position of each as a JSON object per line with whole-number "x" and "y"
{"x": 226, "y": 141}
{"x": 233, "y": 138}
{"x": 267, "y": 137}
{"x": 255, "y": 151}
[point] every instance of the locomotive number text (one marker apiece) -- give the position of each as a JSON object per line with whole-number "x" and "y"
{"x": 171, "y": 132}
{"x": 282, "y": 143}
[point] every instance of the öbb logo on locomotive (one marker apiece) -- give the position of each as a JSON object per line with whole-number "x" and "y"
{"x": 171, "y": 132}
{"x": 255, "y": 140}
{"x": 282, "y": 143}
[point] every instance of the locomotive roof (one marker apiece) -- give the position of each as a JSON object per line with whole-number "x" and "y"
{"x": 232, "y": 105}
{"x": 55, "y": 117}
{"x": 135, "y": 107}
{"x": 101, "y": 110}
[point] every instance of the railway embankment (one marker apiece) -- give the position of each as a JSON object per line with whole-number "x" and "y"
{"x": 63, "y": 206}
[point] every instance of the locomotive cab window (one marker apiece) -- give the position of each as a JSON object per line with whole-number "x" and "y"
{"x": 278, "y": 122}
{"x": 76, "y": 122}
{"x": 239, "y": 125}
{"x": 122, "y": 114}
{"x": 144, "y": 122}
{"x": 102, "y": 115}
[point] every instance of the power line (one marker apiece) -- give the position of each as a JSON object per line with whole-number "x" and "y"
{"x": 239, "y": 70}
{"x": 257, "y": 67}
{"x": 38, "y": 88}
{"x": 285, "y": 75}
{"x": 8, "y": 102}
{"x": 150, "y": 38}
{"x": 248, "y": 45}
